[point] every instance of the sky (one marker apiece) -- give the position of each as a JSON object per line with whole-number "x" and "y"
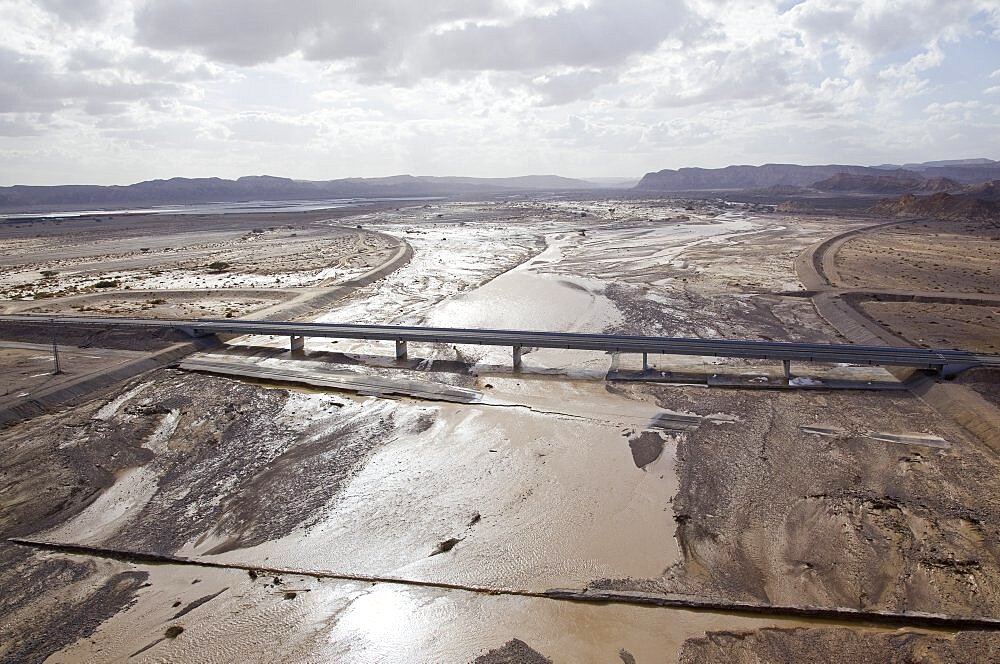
{"x": 120, "y": 91}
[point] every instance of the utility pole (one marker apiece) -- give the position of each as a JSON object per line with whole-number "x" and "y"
{"x": 55, "y": 351}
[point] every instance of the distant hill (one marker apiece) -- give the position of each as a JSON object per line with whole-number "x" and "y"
{"x": 179, "y": 191}
{"x": 966, "y": 171}
{"x": 884, "y": 184}
{"x": 989, "y": 191}
{"x": 839, "y": 178}
{"x": 614, "y": 183}
{"x": 924, "y": 165}
{"x": 941, "y": 205}
{"x": 752, "y": 177}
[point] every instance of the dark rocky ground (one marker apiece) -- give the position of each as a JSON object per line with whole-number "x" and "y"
{"x": 89, "y": 598}
{"x": 232, "y": 463}
{"x": 514, "y": 651}
{"x": 767, "y": 646}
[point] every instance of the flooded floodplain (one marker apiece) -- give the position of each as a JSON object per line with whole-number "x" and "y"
{"x": 461, "y": 488}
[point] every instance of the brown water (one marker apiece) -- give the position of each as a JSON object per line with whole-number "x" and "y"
{"x": 545, "y": 465}
{"x": 305, "y": 619}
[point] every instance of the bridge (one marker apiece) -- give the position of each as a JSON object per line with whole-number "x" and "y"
{"x": 944, "y": 361}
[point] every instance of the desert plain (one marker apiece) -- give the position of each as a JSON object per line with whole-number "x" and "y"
{"x": 165, "y": 498}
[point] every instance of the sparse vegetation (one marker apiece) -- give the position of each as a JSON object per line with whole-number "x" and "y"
{"x": 106, "y": 283}
{"x": 218, "y": 266}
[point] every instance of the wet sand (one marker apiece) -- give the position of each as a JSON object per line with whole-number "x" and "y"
{"x": 553, "y": 479}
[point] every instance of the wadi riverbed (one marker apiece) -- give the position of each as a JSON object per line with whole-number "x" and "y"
{"x": 224, "y": 508}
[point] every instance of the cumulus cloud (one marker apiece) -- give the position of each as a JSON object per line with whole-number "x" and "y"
{"x": 563, "y": 87}
{"x": 868, "y": 28}
{"x": 77, "y": 11}
{"x": 401, "y": 39}
{"x": 32, "y": 83}
{"x": 603, "y": 33}
{"x": 268, "y": 128}
{"x": 584, "y": 87}
{"x": 19, "y": 125}
{"x": 248, "y": 33}
{"x": 750, "y": 73}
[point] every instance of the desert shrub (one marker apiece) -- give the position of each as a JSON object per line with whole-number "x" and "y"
{"x": 106, "y": 283}
{"x": 218, "y": 266}
{"x": 48, "y": 273}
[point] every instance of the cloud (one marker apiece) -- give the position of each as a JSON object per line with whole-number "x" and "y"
{"x": 144, "y": 88}
{"x": 268, "y": 128}
{"x": 904, "y": 79}
{"x": 32, "y": 83}
{"x": 404, "y": 40}
{"x": 77, "y": 11}
{"x": 15, "y": 125}
{"x": 561, "y": 88}
{"x": 603, "y": 33}
{"x": 883, "y": 26}
{"x": 246, "y": 33}
{"x": 681, "y": 131}
{"x": 750, "y": 73}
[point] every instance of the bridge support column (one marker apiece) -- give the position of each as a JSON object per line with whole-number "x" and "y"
{"x": 517, "y": 357}
{"x": 400, "y": 350}
{"x": 298, "y": 344}
{"x": 787, "y": 364}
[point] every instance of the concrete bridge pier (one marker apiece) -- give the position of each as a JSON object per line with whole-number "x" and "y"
{"x": 298, "y": 344}
{"x": 517, "y": 357}
{"x": 645, "y": 362}
{"x": 787, "y": 364}
{"x": 400, "y": 350}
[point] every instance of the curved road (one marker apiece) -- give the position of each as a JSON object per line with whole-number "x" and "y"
{"x": 836, "y": 306}
{"x": 297, "y": 304}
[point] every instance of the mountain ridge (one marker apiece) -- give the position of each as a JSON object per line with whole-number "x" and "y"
{"x": 179, "y": 190}
{"x": 741, "y": 177}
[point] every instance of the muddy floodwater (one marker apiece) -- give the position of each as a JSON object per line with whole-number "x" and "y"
{"x": 245, "y": 503}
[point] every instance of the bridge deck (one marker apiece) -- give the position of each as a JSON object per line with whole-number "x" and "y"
{"x": 765, "y": 350}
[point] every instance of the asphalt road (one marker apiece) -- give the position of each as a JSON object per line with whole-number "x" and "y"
{"x": 766, "y": 350}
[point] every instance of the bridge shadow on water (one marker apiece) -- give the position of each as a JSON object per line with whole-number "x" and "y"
{"x": 459, "y": 367}
{"x": 467, "y": 370}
